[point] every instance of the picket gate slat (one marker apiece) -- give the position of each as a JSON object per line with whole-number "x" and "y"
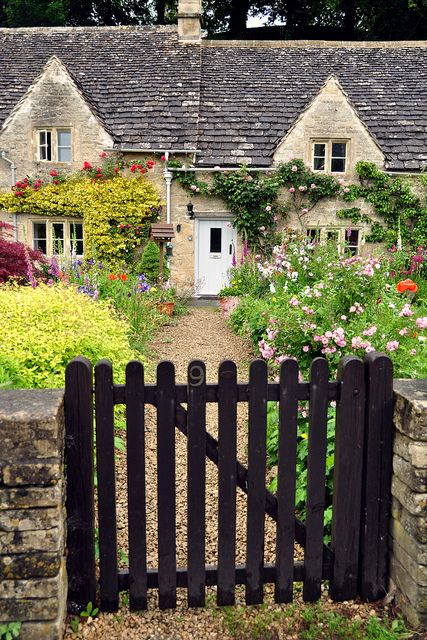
{"x": 166, "y": 498}
{"x": 377, "y": 476}
{"x": 316, "y": 467}
{"x": 227, "y": 481}
{"x": 257, "y": 437}
{"x": 79, "y": 458}
{"x": 135, "y": 447}
{"x": 286, "y": 481}
{"x": 347, "y": 492}
{"x": 105, "y": 471}
{"x": 196, "y": 482}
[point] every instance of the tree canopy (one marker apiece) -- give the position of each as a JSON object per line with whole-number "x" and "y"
{"x": 329, "y": 19}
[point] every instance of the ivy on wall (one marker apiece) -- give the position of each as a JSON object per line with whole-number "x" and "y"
{"x": 116, "y": 208}
{"x": 253, "y": 197}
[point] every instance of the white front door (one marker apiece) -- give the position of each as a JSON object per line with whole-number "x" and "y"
{"x": 216, "y": 244}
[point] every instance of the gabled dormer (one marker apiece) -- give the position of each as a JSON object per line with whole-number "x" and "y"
{"x": 329, "y": 135}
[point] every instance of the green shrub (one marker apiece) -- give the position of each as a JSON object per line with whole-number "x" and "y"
{"x": 150, "y": 262}
{"x": 45, "y": 327}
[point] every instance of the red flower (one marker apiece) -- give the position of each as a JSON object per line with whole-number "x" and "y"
{"x": 19, "y": 193}
{"x": 111, "y": 276}
{"x": 150, "y": 164}
{"x": 102, "y": 154}
{"x": 116, "y": 169}
{"x": 123, "y": 277}
{"x": 142, "y": 170}
{"x": 53, "y": 173}
{"x": 56, "y": 182}
{"x": 133, "y": 168}
{"x": 86, "y": 166}
{"x": 406, "y": 285}
{"x": 19, "y": 185}
{"x": 163, "y": 158}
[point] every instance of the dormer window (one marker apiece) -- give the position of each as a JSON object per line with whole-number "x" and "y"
{"x": 330, "y": 156}
{"x": 54, "y": 145}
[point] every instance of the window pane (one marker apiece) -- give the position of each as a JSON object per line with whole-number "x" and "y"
{"x": 332, "y": 235}
{"x": 76, "y": 237}
{"x": 215, "y": 240}
{"x": 64, "y": 138}
{"x": 339, "y": 149}
{"x": 39, "y": 236}
{"x": 313, "y": 234}
{"x": 58, "y": 237}
{"x": 338, "y": 165}
{"x": 319, "y": 164}
{"x": 64, "y": 154}
{"x": 352, "y": 241}
{"x": 42, "y": 136}
{"x": 319, "y": 149}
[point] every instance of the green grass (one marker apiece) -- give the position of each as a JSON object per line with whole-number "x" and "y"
{"x": 307, "y": 622}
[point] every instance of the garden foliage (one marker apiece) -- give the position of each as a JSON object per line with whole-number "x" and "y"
{"x": 47, "y": 326}
{"x": 256, "y": 199}
{"x": 306, "y": 301}
{"x": 17, "y": 260}
{"x": 116, "y": 208}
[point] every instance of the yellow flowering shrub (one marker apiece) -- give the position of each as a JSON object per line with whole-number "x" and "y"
{"x": 44, "y": 328}
{"x": 103, "y": 205}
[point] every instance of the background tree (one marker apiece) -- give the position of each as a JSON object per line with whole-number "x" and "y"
{"x": 329, "y": 19}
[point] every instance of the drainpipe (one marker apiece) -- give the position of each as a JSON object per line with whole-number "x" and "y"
{"x": 13, "y": 182}
{"x": 168, "y": 175}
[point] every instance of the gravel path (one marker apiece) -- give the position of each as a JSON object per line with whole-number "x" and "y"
{"x": 201, "y": 334}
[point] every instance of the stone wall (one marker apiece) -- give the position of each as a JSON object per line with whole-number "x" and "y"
{"x": 32, "y": 516}
{"x": 408, "y": 565}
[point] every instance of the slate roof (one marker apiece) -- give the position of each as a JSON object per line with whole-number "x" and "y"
{"x": 252, "y": 95}
{"x": 234, "y": 102}
{"x": 145, "y": 86}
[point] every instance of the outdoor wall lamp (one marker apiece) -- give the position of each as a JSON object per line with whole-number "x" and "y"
{"x": 190, "y": 211}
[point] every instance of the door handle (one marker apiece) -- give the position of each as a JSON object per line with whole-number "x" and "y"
{"x": 230, "y": 251}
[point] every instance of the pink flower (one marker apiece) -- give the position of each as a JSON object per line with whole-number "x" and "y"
{"x": 294, "y": 302}
{"x": 302, "y": 188}
{"x": 292, "y": 190}
{"x": 341, "y": 181}
{"x": 346, "y": 189}
{"x": 413, "y": 352}
{"x": 370, "y": 331}
{"x": 306, "y": 348}
{"x": 193, "y": 187}
{"x": 268, "y": 208}
{"x": 102, "y": 154}
{"x": 406, "y": 311}
{"x": 312, "y": 186}
{"x": 421, "y": 322}
{"x": 343, "y": 317}
{"x": 403, "y": 331}
{"x": 392, "y": 345}
{"x": 294, "y": 168}
{"x": 304, "y": 211}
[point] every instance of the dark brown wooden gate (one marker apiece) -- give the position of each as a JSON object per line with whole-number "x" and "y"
{"x": 355, "y": 563}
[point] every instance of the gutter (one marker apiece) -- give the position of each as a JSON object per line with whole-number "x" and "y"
{"x": 13, "y": 182}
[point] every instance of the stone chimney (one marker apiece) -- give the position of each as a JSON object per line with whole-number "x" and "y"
{"x": 189, "y": 20}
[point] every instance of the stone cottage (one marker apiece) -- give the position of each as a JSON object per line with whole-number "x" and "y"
{"x": 152, "y": 92}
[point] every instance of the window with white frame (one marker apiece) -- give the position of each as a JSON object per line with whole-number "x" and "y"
{"x": 58, "y": 237}
{"x": 54, "y": 145}
{"x": 347, "y": 240}
{"x": 330, "y": 155}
